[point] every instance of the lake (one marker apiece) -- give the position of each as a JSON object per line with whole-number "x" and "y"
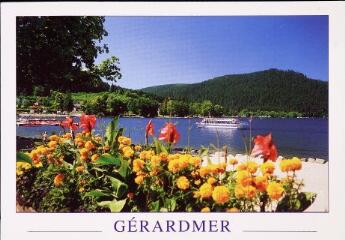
{"x": 293, "y": 137}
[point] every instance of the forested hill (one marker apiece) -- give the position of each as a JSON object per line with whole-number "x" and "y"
{"x": 269, "y": 90}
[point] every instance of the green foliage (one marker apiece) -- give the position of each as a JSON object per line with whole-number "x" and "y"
{"x": 296, "y": 203}
{"x": 22, "y": 157}
{"x": 272, "y": 90}
{"x": 114, "y": 205}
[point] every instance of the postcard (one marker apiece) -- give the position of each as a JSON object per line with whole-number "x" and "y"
{"x": 164, "y": 120}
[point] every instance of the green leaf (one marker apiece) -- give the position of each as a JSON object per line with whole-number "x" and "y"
{"x": 107, "y": 159}
{"x": 124, "y": 169}
{"x": 154, "y": 206}
{"x": 111, "y": 131}
{"x": 296, "y": 204}
{"x": 22, "y": 157}
{"x": 170, "y": 204}
{"x": 97, "y": 193}
{"x": 114, "y": 206}
{"x": 119, "y": 187}
{"x": 159, "y": 146}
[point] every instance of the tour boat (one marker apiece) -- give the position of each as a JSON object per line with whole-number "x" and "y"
{"x": 222, "y": 123}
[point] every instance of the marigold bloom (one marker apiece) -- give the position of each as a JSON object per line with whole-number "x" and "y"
{"x": 264, "y": 146}
{"x": 241, "y": 167}
{"x": 155, "y": 161}
{"x": 169, "y": 133}
{"x": 233, "y": 161}
{"x": 80, "y": 169}
{"x": 174, "y": 165}
{"x": 250, "y": 192}
{"x": 137, "y": 148}
{"x": 195, "y": 161}
{"x": 54, "y": 138}
{"x": 261, "y": 183}
{"x": 205, "y": 191}
{"x": 84, "y": 152}
{"x": 275, "y": 190}
{"x": 293, "y": 164}
{"x": 138, "y": 165}
{"x": 267, "y": 167}
{"x": 232, "y": 210}
{"x": 163, "y": 156}
{"x": 197, "y": 182}
{"x": 58, "y": 180}
{"x": 94, "y": 157}
{"x": 221, "y": 194}
{"x": 52, "y": 144}
{"x": 296, "y": 163}
{"x": 244, "y": 178}
{"x": 204, "y": 171}
{"x": 89, "y": 145}
{"x": 139, "y": 179}
{"x": 124, "y": 140}
{"x": 205, "y": 209}
{"x": 211, "y": 180}
{"x": 128, "y": 152}
{"x": 182, "y": 183}
{"x": 252, "y": 167}
{"x": 239, "y": 191}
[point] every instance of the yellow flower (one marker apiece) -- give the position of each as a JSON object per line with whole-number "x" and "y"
{"x": 233, "y": 161}
{"x": 128, "y": 152}
{"x": 163, "y": 156}
{"x": 79, "y": 169}
{"x": 155, "y": 161}
{"x": 206, "y": 209}
{"x": 52, "y": 144}
{"x": 89, "y": 145}
{"x": 232, "y": 210}
{"x": 275, "y": 190}
{"x": 81, "y": 189}
{"x": 195, "y": 161}
{"x": 204, "y": 171}
{"x": 267, "y": 167}
{"x": 182, "y": 183}
{"x": 138, "y": 165}
{"x": 239, "y": 191}
{"x": 139, "y": 179}
{"x": 124, "y": 140}
{"x": 58, "y": 180}
{"x": 21, "y": 166}
{"x": 261, "y": 183}
{"x": 184, "y": 161}
{"x": 137, "y": 148}
{"x": 94, "y": 157}
{"x": 146, "y": 155}
{"x": 293, "y": 164}
{"x": 84, "y": 152}
{"x": 221, "y": 194}
{"x": 205, "y": 191}
{"x": 250, "y": 192}
{"x": 68, "y": 135}
{"x": 174, "y": 165}
{"x": 241, "y": 167}
{"x": 252, "y": 167}
{"x": 197, "y": 182}
{"x": 54, "y": 138}
{"x": 244, "y": 178}
{"x": 211, "y": 180}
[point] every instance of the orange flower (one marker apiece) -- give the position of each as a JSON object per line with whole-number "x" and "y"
{"x": 261, "y": 183}
{"x": 58, "y": 180}
{"x": 68, "y": 123}
{"x": 244, "y": 178}
{"x": 205, "y": 191}
{"x": 139, "y": 179}
{"x": 267, "y": 167}
{"x": 87, "y": 122}
{"x": 233, "y": 161}
{"x": 275, "y": 190}
{"x": 138, "y": 165}
{"x": 206, "y": 209}
{"x": 80, "y": 169}
{"x": 94, "y": 157}
{"x": 169, "y": 133}
{"x": 89, "y": 145}
{"x": 264, "y": 146}
{"x": 221, "y": 194}
{"x": 182, "y": 183}
{"x": 211, "y": 180}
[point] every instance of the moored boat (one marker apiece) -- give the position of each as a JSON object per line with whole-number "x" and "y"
{"x": 222, "y": 123}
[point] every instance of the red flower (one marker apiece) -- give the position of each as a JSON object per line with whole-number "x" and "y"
{"x": 149, "y": 129}
{"x": 169, "y": 133}
{"x": 87, "y": 122}
{"x": 264, "y": 146}
{"x": 68, "y": 123}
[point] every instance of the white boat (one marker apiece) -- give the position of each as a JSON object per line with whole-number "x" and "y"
{"x": 222, "y": 123}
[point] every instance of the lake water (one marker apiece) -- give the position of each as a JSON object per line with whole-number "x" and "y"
{"x": 293, "y": 137}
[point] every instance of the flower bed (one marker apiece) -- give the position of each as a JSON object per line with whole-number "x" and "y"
{"x": 90, "y": 173}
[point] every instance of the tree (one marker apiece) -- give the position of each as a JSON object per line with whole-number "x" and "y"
{"x": 67, "y": 104}
{"x": 206, "y": 108}
{"x": 59, "y": 52}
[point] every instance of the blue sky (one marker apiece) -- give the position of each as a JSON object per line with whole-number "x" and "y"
{"x": 163, "y": 50}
